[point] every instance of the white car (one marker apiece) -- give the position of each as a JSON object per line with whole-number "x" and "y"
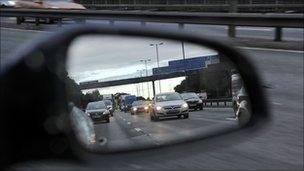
{"x": 167, "y": 105}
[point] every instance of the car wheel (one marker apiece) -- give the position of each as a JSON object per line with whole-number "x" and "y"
{"x": 156, "y": 118}
{"x": 201, "y": 108}
{"x": 152, "y": 118}
{"x": 186, "y": 116}
{"x": 108, "y": 120}
{"x": 19, "y": 20}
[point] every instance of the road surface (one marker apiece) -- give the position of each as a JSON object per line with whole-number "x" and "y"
{"x": 126, "y": 131}
{"x": 294, "y": 34}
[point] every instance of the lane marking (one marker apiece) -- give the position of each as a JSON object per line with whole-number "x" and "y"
{"x": 231, "y": 119}
{"x": 138, "y": 129}
{"x": 214, "y": 120}
{"x": 269, "y": 49}
{"x": 276, "y": 103}
{"x": 128, "y": 123}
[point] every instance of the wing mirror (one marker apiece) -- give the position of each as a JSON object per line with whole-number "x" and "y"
{"x": 81, "y": 63}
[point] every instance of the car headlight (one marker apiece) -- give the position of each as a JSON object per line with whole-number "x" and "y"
{"x": 134, "y": 109}
{"x": 158, "y": 108}
{"x": 200, "y": 101}
{"x": 146, "y": 108}
{"x": 185, "y": 105}
{"x": 105, "y": 112}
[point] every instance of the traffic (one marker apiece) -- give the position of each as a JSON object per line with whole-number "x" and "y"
{"x": 169, "y": 100}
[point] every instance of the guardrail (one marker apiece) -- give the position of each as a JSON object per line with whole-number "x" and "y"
{"x": 200, "y": 7}
{"x": 278, "y": 21}
{"x": 223, "y": 102}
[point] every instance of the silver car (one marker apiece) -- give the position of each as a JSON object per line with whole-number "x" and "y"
{"x": 167, "y": 105}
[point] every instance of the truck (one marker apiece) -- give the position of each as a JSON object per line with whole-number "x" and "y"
{"x": 107, "y": 97}
{"x": 126, "y": 102}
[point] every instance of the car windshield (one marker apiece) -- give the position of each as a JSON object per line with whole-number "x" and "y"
{"x": 167, "y": 97}
{"x": 189, "y": 96}
{"x": 137, "y": 103}
{"x": 96, "y": 105}
{"x": 107, "y": 102}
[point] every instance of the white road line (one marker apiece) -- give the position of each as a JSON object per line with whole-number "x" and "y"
{"x": 138, "y": 129}
{"x": 231, "y": 119}
{"x": 269, "y": 49}
{"x": 213, "y": 120}
{"x": 276, "y": 103}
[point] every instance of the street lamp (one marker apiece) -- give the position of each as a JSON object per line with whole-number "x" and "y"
{"x": 146, "y": 61}
{"x": 142, "y": 86}
{"x": 157, "y": 57}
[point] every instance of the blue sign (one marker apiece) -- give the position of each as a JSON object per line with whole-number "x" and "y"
{"x": 186, "y": 64}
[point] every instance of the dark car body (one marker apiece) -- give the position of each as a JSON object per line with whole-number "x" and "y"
{"x": 98, "y": 111}
{"x": 194, "y": 102}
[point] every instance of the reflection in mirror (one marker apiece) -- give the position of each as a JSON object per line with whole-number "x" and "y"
{"x": 144, "y": 92}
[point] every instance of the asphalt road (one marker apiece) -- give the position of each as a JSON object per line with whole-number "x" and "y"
{"x": 279, "y": 146}
{"x": 126, "y": 131}
{"x": 293, "y": 34}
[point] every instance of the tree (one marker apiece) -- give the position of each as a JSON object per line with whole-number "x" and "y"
{"x": 74, "y": 93}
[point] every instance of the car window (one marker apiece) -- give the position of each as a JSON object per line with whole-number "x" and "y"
{"x": 96, "y": 105}
{"x": 189, "y": 96}
{"x": 167, "y": 97}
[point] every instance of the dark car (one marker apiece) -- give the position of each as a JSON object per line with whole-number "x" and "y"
{"x": 194, "y": 102}
{"x": 140, "y": 106}
{"x": 98, "y": 111}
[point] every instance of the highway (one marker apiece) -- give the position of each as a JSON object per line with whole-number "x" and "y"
{"x": 293, "y": 34}
{"x": 278, "y": 146}
{"x": 126, "y": 131}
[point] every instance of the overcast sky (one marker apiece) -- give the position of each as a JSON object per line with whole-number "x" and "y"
{"x": 100, "y": 57}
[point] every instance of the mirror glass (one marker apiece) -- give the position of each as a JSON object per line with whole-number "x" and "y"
{"x": 142, "y": 92}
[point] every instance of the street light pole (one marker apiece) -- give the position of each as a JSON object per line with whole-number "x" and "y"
{"x": 185, "y": 70}
{"x": 146, "y": 61}
{"x": 157, "y": 59}
{"x": 142, "y": 86}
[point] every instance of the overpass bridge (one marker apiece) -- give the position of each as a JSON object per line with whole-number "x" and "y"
{"x": 152, "y": 78}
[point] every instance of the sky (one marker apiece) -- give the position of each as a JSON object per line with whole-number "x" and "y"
{"x": 108, "y": 57}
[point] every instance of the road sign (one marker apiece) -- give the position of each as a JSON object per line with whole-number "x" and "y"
{"x": 186, "y": 64}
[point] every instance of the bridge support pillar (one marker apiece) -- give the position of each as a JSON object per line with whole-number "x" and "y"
{"x": 231, "y": 31}
{"x": 153, "y": 87}
{"x": 278, "y": 34}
